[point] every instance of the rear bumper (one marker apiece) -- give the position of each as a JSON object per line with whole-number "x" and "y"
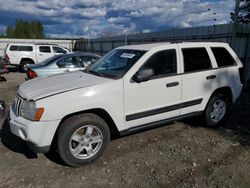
{"x": 38, "y": 135}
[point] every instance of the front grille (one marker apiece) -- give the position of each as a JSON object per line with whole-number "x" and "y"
{"x": 17, "y": 105}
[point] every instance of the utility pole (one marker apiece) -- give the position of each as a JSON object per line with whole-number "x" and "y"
{"x": 236, "y": 14}
{"x": 126, "y": 38}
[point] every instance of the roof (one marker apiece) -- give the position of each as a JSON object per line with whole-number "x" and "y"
{"x": 147, "y": 47}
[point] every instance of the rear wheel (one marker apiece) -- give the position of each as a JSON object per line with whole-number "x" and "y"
{"x": 82, "y": 139}
{"x": 23, "y": 65}
{"x": 216, "y": 110}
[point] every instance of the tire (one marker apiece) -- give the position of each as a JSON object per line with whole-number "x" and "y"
{"x": 23, "y": 64}
{"x": 217, "y": 110}
{"x": 82, "y": 139}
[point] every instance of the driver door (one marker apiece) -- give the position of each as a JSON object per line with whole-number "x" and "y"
{"x": 69, "y": 64}
{"x": 158, "y": 98}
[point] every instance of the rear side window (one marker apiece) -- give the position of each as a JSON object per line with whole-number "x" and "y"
{"x": 163, "y": 63}
{"x": 196, "y": 59}
{"x": 223, "y": 57}
{"x": 21, "y": 48}
{"x": 44, "y": 49}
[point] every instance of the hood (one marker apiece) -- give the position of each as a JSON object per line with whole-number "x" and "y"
{"x": 42, "y": 87}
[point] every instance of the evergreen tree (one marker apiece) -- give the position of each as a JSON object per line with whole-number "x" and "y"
{"x": 25, "y": 30}
{"x": 244, "y": 12}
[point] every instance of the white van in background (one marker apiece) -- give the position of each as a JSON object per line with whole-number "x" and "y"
{"x": 25, "y": 53}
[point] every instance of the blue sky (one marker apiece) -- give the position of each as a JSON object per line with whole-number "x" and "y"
{"x": 95, "y": 18}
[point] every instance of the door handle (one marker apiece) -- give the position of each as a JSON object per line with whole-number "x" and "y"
{"x": 172, "y": 84}
{"x": 211, "y": 77}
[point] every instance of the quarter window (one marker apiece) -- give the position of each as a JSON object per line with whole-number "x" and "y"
{"x": 13, "y": 48}
{"x": 44, "y": 49}
{"x": 223, "y": 57}
{"x": 196, "y": 59}
{"x": 21, "y": 48}
{"x": 163, "y": 63}
{"x": 25, "y": 48}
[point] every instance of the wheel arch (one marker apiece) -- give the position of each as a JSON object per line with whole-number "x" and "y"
{"x": 27, "y": 59}
{"x": 226, "y": 91}
{"x": 97, "y": 111}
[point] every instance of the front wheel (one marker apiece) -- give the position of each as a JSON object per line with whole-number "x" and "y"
{"x": 82, "y": 139}
{"x": 216, "y": 110}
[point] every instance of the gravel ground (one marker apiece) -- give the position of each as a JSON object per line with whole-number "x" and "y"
{"x": 182, "y": 154}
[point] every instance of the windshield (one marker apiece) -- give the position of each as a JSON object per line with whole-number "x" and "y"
{"x": 50, "y": 60}
{"x": 115, "y": 63}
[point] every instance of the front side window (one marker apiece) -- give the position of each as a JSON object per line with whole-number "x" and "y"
{"x": 68, "y": 62}
{"x": 86, "y": 61}
{"x": 116, "y": 63}
{"x": 163, "y": 63}
{"x": 223, "y": 57}
{"x": 58, "y": 50}
{"x": 196, "y": 59}
{"x": 44, "y": 49}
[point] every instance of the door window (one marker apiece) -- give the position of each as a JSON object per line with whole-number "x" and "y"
{"x": 58, "y": 50}
{"x": 86, "y": 61}
{"x": 44, "y": 49}
{"x": 163, "y": 63}
{"x": 68, "y": 62}
{"x": 196, "y": 59}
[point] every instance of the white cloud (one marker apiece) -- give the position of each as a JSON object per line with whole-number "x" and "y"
{"x": 95, "y": 17}
{"x": 118, "y": 19}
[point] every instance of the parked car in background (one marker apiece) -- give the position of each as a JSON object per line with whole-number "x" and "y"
{"x": 3, "y": 70}
{"x": 22, "y": 54}
{"x": 61, "y": 63}
{"x": 129, "y": 89}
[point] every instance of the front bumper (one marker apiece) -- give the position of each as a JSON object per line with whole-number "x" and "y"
{"x": 38, "y": 134}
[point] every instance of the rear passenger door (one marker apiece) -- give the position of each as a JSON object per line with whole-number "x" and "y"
{"x": 198, "y": 78}
{"x": 43, "y": 52}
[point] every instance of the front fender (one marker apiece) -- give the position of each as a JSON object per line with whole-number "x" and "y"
{"x": 108, "y": 97}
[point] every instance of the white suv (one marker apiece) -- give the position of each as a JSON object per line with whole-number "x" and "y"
{"x": 21, "y": 54}
{"x": 129, "y": 89}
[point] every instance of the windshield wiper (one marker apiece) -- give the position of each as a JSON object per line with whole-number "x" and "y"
{"x": 95, "y": 73}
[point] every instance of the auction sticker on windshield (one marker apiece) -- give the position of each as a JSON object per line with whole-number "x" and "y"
{"x": 127, "y": 55}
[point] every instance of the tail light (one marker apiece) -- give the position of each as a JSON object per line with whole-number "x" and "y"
{"x": 31, "y": 74}
{"x": 6, "y": 57}
{"x": 242, "y": 75}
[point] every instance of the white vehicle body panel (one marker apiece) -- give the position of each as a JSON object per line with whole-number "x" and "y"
{"x": 15, "y": 57}
{"x": 153, "y": 94}
{"x": 65, "y": 94}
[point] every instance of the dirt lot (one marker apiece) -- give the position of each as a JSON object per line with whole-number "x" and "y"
{"x": 183, "y": 154}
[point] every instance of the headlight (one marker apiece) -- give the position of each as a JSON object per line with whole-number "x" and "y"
{"x": 29, "y": 111}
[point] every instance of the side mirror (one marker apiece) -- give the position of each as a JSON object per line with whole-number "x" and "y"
{"x": 143, "y": 75}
